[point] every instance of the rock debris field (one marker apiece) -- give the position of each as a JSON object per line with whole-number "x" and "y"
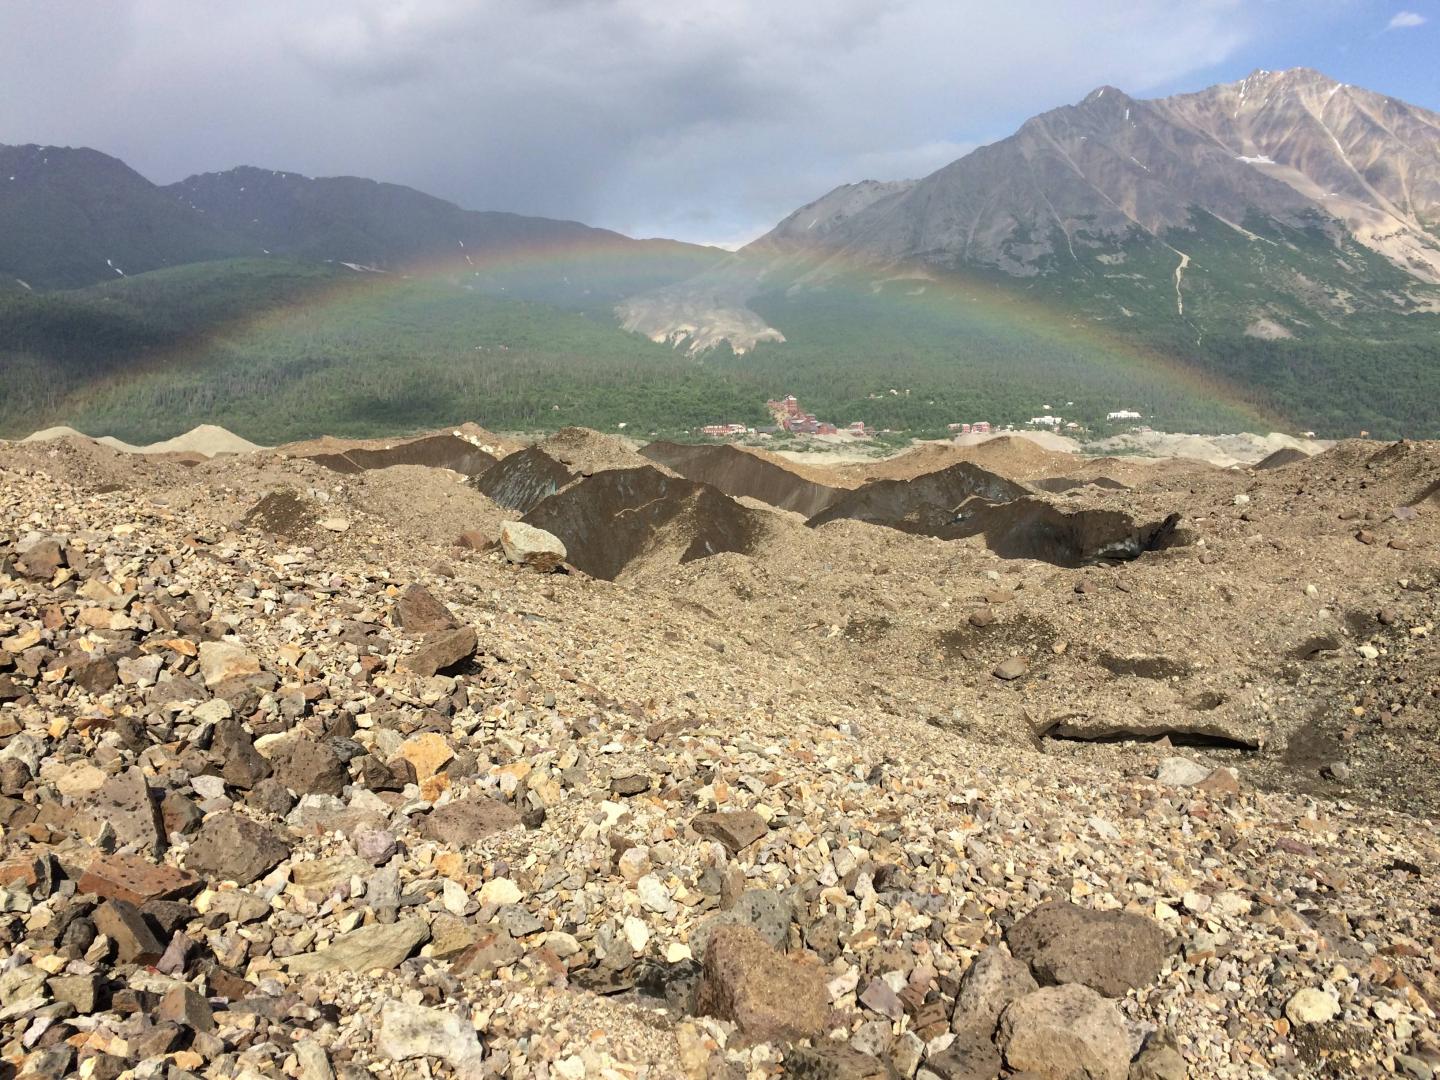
{"x": 318, "y": 765}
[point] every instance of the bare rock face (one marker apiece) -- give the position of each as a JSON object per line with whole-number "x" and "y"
{"x": 771, "y": 996}
{"x": 526, "y": 545}
{"x": 1112, "y": 952}
{"x": 1065, "y": 1033}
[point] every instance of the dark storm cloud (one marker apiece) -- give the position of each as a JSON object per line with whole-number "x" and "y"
{"x": 709, "y": 118}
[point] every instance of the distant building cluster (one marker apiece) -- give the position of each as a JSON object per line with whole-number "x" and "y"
{"x": 789, "y": 416}
{"x": 725, "y": 431}
{"x": 979, "y": 427}
{"x": 1123, "y": 414}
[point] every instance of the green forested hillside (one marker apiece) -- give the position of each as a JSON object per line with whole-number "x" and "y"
{"x": 279, "y": 350}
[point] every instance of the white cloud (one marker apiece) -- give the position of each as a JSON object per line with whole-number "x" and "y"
{"x": 1406, "y": 20}
{"x": 708, "y": 118}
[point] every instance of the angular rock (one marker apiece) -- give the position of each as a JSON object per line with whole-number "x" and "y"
{"x": 41, "y": 561}
{"x": 971, "y": 1056}
{"x": 442, "y": 651}
{"x": 1112, "y": 952}
{"x": 1158, "y": 1061}
{"x": 772, "y": 997}
{"x": 993, "y": 981}
{"x": 466, "y": 820}
{"x": 125, "y": 804}
{"x": 1065, "y": 1033}
{"x": 428, "y": 752}
{"x": 833, "y": 1061}
{"x": 221, "y": 661}
{"x": 736, "y": 829}
{"x": 122, "y": 923}
{"x": 80, "y": 991}
{"x": 94, "y": 674}
{"x": 241, "y": 764}
{"x": 234, "y": 848}
{"x": 323, "y": 875}
{"x": 307, "y": 766}
{"x": 137, "y": 880}
{"x": 379, "y": 945}
{"x": 184, "y": 1006}
{"x": 1181, "y": 772}
{"x": 525, "y": 545}
{"x": 412, "y": 1031}
{"x": 421, "y": 613}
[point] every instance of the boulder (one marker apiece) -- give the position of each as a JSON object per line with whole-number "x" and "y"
{"x": 379, "y": 945}
{"x": 466, "y": 820}
{"x": 1112, "y": 952}
{"x": 993, "y": 981}
{"x": 124, "y": 804}
{"x": 1065, "y": 1033}
{"x": 525, "y": 545}
{"x": 234, "y": 848}
{"x": 772, "y": 997}
{"x": 441, "y": 652}
{"x": 420, "y": 612}
{"x": 412, "y": 1031}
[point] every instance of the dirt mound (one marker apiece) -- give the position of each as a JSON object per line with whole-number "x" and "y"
{"x": 283, "y": 513}
{"x": 1057, "y": 485}
{"x": 204, "y": 441}
{"x": 437, "y": 451}
{"x": 1035, "y": 529}
{"x": 1286, "y": 455}
{"x": 588, "y": 451}
{"x": 740, "y": 473}
{"x": 495, "y": 445}
{"x": 524, "y": 480}
{"x": 612, "y": 519}
{"x": 926, "y": 504}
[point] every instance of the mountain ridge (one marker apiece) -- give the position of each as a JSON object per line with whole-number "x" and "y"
{"x": 75, "y": 216}
{"x": 1113, "y": 202}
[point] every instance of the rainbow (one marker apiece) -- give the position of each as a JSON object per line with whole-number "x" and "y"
{"x": 615, "y": 259}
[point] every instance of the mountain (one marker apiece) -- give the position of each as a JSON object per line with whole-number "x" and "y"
{"x": 77, "y": 217}
{"x": 1289, "y": 150}
{"x": 364, "y": 223}
{"x": 1286, "y": 207}
{"x": 73, "y": 217}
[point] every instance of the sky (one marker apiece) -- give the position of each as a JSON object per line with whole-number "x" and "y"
{"x": 705, "y": 120}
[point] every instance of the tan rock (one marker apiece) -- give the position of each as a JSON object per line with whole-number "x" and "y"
{"x": 771, "y": 996}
